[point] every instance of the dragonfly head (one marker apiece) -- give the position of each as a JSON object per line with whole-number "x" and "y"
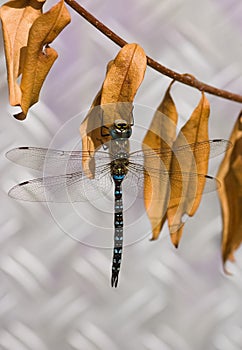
{"x": 120, "y": 129}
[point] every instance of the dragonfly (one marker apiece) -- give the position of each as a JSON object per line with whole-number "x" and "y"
{"x": 115, "y": 167}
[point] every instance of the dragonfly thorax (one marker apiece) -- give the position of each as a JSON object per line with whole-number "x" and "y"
{"x": 119, "y": 168}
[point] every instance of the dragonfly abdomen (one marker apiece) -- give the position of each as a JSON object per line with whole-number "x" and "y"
{"x": 118, "y": 231}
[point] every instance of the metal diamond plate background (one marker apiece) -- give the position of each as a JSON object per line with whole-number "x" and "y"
{"x": 54, "y": 292}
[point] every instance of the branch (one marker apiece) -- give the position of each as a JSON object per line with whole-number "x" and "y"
{"x": 182, "y": 78}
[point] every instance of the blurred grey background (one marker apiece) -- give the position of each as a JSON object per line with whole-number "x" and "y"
{"x": 54, "y": 292}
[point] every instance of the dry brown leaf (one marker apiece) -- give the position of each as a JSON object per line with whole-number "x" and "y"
{"x": 114, "y": 100}
{"x": 189, "y": 196}
{"x": 230, "y": 175}
{"x": 90, "y": 130}
{"x": 39, "y": 57}
{"x": 17, "y": 17}
{"x": 122, "y": 82}
{"x": 161, "y": 135}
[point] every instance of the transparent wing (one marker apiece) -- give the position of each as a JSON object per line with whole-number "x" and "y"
{"x": 54, "y": 162}
{"x": 197, "y": 149}
{"x": 73, "y": 187}
{"x": 182, "y": 184}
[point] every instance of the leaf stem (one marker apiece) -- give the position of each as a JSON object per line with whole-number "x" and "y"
{"x": 182, "y": 78}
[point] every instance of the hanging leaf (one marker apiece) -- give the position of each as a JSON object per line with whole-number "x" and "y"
{"x": 230, "y": 194}
{"x": 114, "y": 101}
{"x": 90, "y": 135}
{"x": 90, "y": 130}
{"x": 122, "y": 82}
{"x": 39, "y": 56}
{"x": 17, "y": 18}
{"x": 188, "y": 200}
{"x": 161, "y": 135}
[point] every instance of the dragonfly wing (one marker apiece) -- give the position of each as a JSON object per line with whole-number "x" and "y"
{"x": 191, "y": 184}
{"x": 63, "y": 188}
{"x": 184, "y": 152}
{"x": 181, "y": 184}
{"x": 138, "y": 176}
{"x": 52, "y": 161}
{"x": 215, "y": 147}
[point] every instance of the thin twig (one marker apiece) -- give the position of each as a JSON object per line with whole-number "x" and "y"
{"x": 182, "y": 78}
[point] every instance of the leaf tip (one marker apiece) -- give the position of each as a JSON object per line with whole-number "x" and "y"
{"x": 176, "y": 236}
{"x": 20, "y": 116}
{"x": 176, "y": 244}
{"x": 175, "y": 240}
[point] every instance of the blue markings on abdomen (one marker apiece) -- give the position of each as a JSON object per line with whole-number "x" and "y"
{"x": 118, "y": 233}
{"x": 118, "y": 177}
{"x": 117, "y": 255}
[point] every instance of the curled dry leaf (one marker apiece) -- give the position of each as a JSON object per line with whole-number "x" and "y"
{"x": 230, "y": 194}
{"x": 91, "y": 133}
{"x": 39, "y": 60}
{"x": 17, "y": 17}
{"x": 114, "y": 101}
{"x": 161, "y": 135}
{"x": 188, "y": 200}
{"x": 122, "y": 82}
